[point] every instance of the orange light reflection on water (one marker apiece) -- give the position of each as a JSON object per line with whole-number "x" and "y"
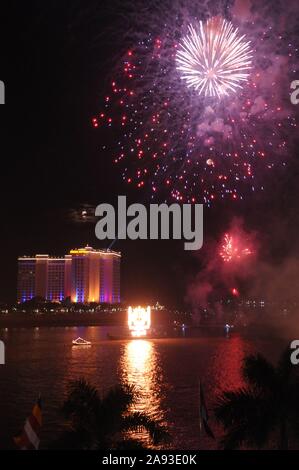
{"x": 140, "y": 366}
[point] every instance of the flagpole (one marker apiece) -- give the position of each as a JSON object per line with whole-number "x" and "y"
{"x": 203, "y": 414}
{"x": 199, "y": 408}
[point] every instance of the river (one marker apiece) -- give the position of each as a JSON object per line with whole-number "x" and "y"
{"x": 165, "y": 373}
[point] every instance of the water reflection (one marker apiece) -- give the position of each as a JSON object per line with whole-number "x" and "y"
{"x": 140, "y": 366}
{"x": 227, "y": 362}
{"x": 165, "y": 372}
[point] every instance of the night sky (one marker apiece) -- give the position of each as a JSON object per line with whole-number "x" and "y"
{"x": 56, "y": 62}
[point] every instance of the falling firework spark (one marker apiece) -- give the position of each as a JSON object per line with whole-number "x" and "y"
{"x": 214, "y": 60}
{"x": 235, "y": 292}
{"x": 233, "y": 249}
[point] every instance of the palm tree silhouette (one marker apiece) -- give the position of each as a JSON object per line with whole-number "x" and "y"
{"x": 267, "y": 408}
{"x": 93, "y": 422}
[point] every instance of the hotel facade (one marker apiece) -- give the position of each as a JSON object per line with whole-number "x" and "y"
{"x": 84, "y": 275}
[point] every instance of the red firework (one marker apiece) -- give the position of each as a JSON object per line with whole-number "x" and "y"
{"x": 235, "y": 292}
{"x": 233, "y": 249}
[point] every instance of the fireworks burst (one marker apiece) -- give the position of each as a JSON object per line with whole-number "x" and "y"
{"x": 173, "y": 142}
{"x": 233, "y": 250}
{"x": 214, "y": 60}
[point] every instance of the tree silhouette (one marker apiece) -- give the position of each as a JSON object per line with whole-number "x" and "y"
{"x": 93, "y": 422}
{"x": 267, "y": 407}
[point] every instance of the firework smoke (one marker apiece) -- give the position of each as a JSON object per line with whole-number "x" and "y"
{"x": 218, "y": 278}
{"x": 233, "y": 249}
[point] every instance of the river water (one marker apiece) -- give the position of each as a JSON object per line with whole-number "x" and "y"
{"x": 165, "y": 373}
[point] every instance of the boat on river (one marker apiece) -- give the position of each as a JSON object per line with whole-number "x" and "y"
{"x": 80, "y": 342}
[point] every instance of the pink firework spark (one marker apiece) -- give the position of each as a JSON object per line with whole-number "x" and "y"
{"x": 214, "y": 59}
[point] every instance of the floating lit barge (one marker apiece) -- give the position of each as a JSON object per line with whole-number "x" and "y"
{"x": 139, "y": 323}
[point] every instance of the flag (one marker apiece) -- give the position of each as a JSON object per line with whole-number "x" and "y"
{"x": 29, "y": 439}
{"x": 203, "y": 414}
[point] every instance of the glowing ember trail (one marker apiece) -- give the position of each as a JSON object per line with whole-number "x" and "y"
{"x": 231, "y": 250}
{"x": 214, "y": 59}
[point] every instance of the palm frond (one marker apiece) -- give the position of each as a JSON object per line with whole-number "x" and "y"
{"x": 120, "y": 398}
{"x": 267, "y": 406}
{"x": 137, "y": 421}
{"x": 248, "y": 417}
{"x": 82, "y": 403}
{"x": 232, "y": 406}
{"x": 238, "y": 436}
{"x": 113, "y": 406}
{"x": 286, "y": 370}
{"x": 258, "y": 372}
{"x": 291, "y": 406}
{"x": 95, "y": 423}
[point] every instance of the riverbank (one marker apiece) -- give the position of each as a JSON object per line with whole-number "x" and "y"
{"x": 99, "y": 318}
{"x": 62, "y": 319}
{"x": 278, "y": 328}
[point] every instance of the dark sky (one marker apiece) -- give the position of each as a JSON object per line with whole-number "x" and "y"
{"x": 55, "y": 70}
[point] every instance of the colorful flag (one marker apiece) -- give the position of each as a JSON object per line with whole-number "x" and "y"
{"x": 29, "y": 439}
{"x": 203, "y": 414}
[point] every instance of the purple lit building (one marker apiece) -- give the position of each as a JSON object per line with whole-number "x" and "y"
{"x": 85, "y": 275}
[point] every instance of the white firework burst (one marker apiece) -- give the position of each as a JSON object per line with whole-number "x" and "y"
{"x": 214, "y": 59}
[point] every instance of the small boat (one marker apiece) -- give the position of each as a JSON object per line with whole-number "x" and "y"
{"x": 80, "y": 342}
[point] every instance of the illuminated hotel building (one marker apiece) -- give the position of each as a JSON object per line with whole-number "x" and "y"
{"x": 85, "y": 275}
